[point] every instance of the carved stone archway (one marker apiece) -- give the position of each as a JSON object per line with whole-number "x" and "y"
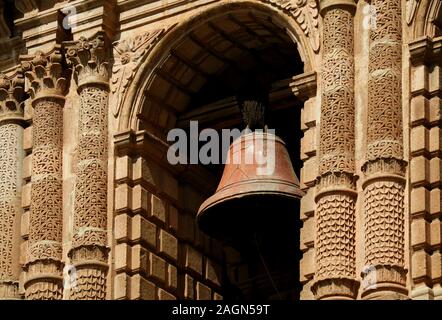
{"x": 144, "y": 68}
{"x": 137, "y": 58}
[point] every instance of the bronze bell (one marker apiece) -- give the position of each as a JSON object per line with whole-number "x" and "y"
{"x": 250, "y": 193}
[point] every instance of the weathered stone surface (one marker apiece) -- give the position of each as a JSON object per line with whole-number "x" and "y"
{"x": 85, "y": 179}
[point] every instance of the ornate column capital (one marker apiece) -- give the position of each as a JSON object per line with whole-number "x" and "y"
{"x": 89, "y": 58}
{"x": 325, "y": 5}
{"x": 12, "y": 96}
{"x": 46, "y": 74}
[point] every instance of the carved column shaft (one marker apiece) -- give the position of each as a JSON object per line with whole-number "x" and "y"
{"x": 44, "y": 263}
{"x": 384, "y": 168}
{"x": 335, "y": 217}
{"x": 11, "y": 157}
{"x": 89, "y": 251}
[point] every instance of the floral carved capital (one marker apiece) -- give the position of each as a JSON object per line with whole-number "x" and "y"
{"x": 45, "y": 73}
{"x": 12, "y": 95}
{"x": 306, "y": 14}
{"x": 128, "y": 54}
{"x": 89, "y": 58}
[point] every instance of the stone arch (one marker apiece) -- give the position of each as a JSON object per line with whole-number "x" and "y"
{"x": 175, "y": 192}
{"x": 301, "y": 26}
{"x": 424, "y": 16}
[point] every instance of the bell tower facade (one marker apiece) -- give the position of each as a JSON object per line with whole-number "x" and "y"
{"x": 92, "y": 208}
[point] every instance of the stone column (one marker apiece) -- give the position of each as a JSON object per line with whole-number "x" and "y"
{"x": 384, "y": 168}
{"x": 11, "y": 157}
{"x": 89, "y": 253}
{"x": 47, "y": 88}
{"x": 335, "y": 216}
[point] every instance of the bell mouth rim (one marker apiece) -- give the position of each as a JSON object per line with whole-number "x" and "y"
{"x": 210, "y": 203}
{"x": 209, "y": 219}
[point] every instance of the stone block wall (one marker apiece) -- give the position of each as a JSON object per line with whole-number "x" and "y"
{"x": 159, "y": 253}
{"x": 426, "y": 169}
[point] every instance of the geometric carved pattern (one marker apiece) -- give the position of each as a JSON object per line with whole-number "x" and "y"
{"x": 91, "y": 285}
{"x": 89, "y": 246}
{"x": 384, "y": 194}
{"x": 384, "y": 134}
{"x": 48, "y": 288}
{"x": 335, "y": 214}
{"x": 46, "y": 207}
{"x": 91, "y": 277}
{"x": 337, "y": 113}
{"x": 11, "y": 156}
{"x": 48, "y": 84}
{"x": 411, "y": 9}
{"x": 335, "y": 241}
{"x": 383, "y": 205}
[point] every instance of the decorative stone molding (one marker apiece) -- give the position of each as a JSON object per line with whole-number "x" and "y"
{"x": 128, "y": 54}
{"x": 335, "y": 215}
{"x": 411, "y": 9}
{"x": 89, "y": 252}
{"x": 425, "y": 51}
{"x": 384, "y": 169}
{"x": 304, "y": 86}
{"x": 47, "y": 86}
{"x": 11, "y": 138}
{"x": 306, "y": 14}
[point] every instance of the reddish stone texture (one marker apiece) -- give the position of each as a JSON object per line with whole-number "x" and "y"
{"x": 368, "y": 138}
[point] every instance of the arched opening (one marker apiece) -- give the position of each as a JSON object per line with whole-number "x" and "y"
{"x": 234, "y": 55}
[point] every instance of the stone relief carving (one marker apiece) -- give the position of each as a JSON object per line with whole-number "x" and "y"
{"x": 11, "y": 108}
{"x": 383, "y": 205}
{"x": 337, "y": 131}
{"x": 128, "y": 54}
{"x": 48, "y": 84}
{"x": 89, "y": 58}
{"x": 384, "y": 169}
{"x": 306, "y": 14}
{"x": 335, "y": 212}
{"x": 90, "y": 194}
{"x": 336, "y": 220}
